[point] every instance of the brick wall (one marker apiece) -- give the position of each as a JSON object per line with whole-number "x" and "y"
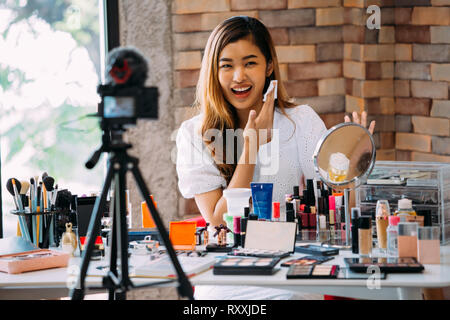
{"x": 422, "y": 76}
{"x": 329, "y": 59}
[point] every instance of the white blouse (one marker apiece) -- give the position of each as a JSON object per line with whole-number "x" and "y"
{"x": 281, "y": 161}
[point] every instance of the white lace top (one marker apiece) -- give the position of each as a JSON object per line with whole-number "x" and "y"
{"x": 280, "y": 163}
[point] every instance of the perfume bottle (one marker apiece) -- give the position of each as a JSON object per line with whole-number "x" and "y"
{"x": 69, "y": 240}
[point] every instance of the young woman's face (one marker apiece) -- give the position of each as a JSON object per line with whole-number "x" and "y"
{"x": 242, "y": 74}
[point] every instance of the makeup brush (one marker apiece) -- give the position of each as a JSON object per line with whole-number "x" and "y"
{"x": 16, "y": 185}
{"x": 23, "y": 192}
{"x": 48, "y": 183}
{"x": 25, "y": 186}
{"x": 12, "y": 185}
{"x": 42, "y": 207}
{"x": 53, "y": 197}
{"x": 44, "y": 192}
{"x": 33, "y": 193}
{"x": 48, "y": 197}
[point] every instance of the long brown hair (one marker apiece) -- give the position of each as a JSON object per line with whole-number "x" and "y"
{"x": 218, "y": 113}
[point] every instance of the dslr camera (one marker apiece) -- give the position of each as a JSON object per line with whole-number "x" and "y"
{"x": 124, "y": 98}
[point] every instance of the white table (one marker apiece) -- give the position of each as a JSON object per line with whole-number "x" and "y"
{"x": 53, "y": 283}
{"x": 395, "y": 286}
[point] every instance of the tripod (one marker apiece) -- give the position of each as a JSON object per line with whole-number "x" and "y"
{"x": 117, "y": 280}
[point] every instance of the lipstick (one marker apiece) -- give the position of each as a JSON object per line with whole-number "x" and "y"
{"x": 276, "y": 211}
{"x": 237, "y": 231}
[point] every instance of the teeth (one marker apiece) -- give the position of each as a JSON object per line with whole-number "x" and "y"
{"x": 241, "y": 89}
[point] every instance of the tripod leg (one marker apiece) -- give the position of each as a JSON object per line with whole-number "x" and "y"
{"x": 113, "y": 235}
{"x": 185, "y": 288}
{"x": 122, "y": 231}
{"x": 93, "y": 231}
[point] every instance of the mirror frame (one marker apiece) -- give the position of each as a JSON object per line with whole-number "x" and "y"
{"x": 356, "y": 181}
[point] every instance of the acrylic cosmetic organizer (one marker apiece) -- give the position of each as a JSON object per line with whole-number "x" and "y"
{"x": 427, "y": 184}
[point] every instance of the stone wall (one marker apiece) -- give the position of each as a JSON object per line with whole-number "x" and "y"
{"x": 146, "y": 25}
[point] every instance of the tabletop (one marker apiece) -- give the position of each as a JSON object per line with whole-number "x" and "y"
{"x": 56, "y": 282}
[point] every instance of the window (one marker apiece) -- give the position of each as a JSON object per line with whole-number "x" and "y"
{"x": 50, "y": 66}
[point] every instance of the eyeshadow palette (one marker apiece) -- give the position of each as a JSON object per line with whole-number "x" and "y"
{"x": 259, "y": 253}
{"x": 245, "y": 266}
{"x": 317, "y": 250}
{"x": 388, "y": 265}
{"x": 306, "y": 261}
{"x": 313, "y": 272}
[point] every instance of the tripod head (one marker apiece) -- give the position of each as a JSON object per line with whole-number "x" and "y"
{"x": 112, "y": 140}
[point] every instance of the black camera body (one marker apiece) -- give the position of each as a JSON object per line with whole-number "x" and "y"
{"x": 122, "y": 104}
{"x": 124, "y": 98}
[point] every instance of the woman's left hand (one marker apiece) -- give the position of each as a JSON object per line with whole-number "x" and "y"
{"x": 363, "y": 121}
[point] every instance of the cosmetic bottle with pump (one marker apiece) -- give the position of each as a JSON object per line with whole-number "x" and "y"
{"x": 355, "y": 214}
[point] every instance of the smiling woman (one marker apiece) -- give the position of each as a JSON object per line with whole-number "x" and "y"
{"x": 238, "y": 67}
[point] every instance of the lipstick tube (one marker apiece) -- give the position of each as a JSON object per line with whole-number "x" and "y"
{"x": 237, "y": 231}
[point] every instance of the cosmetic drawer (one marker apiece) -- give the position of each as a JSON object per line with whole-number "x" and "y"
{"x": 427, "y": 184}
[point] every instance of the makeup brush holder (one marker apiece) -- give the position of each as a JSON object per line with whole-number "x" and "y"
{"x": 41, "y": 226}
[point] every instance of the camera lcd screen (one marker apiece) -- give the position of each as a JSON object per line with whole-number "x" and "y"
{"x": 119, "y": 107}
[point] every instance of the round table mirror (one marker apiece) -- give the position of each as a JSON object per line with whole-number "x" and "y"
{"x": 345, "y": 156}
{"x": 343, "y": 159}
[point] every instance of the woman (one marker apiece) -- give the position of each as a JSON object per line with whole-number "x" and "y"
{"x": 277, "y": 137}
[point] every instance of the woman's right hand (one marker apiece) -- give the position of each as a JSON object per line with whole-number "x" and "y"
{"x": 260, "y": 126}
